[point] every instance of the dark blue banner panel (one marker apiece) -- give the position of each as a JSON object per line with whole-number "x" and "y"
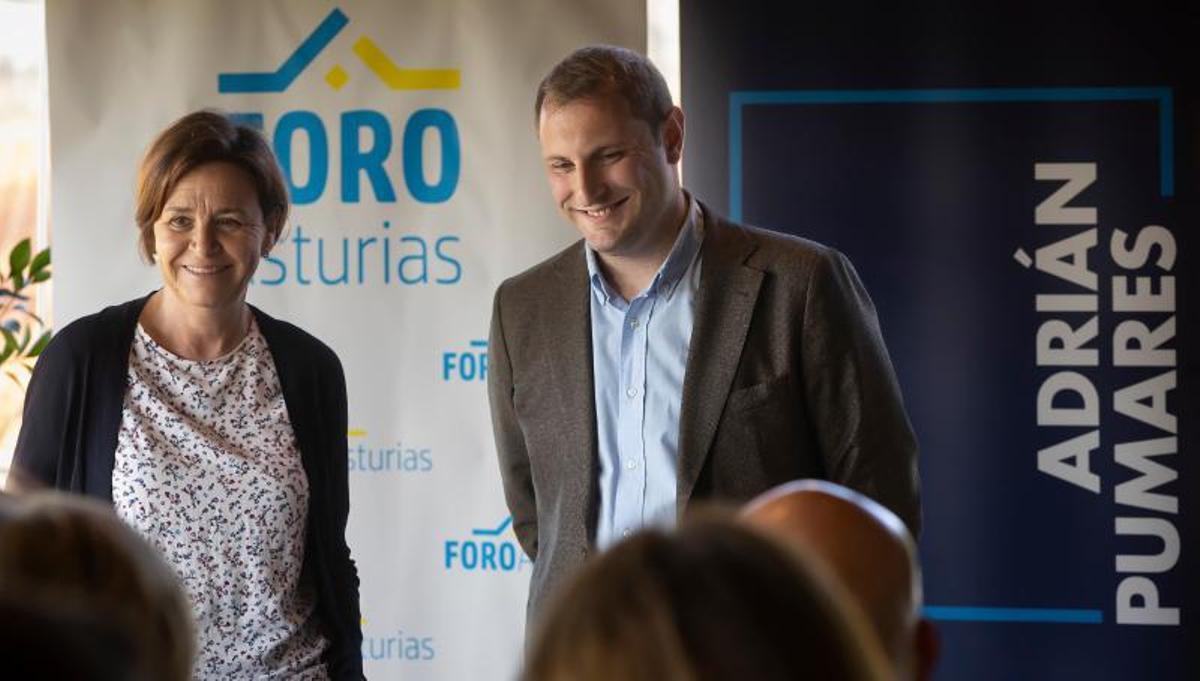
{"x": 1027, "y": 242}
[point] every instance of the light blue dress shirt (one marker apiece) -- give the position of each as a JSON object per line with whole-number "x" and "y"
{"x": 639, "y": 353}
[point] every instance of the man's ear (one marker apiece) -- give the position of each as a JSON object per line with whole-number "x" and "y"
{"x": 672, "y": 135}
{"x": 928, "y": 647}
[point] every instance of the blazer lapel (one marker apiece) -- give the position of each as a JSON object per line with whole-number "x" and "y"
{"x": 724, "y": 305}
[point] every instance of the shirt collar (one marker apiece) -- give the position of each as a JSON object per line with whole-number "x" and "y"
{"x": 665, "y": 281}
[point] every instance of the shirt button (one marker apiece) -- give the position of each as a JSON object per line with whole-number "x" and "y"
{"x": 626, "y": 532}
{"x": 631, "y": 392}
{"x": 634, "y": 322}
{"x": 631, "y": 464}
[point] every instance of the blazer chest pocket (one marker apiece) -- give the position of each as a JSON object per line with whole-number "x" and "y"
{"x": 756, "y": 396}
{"x": 759, "y": 440}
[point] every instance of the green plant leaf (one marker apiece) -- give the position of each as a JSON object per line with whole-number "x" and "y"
{"x": 10, "y": 341}
{"x": 18, "y": 258}
{"x": 40, "y": 262}
{"x": 32, "y": 316}
{"x": 25, "y": 337}
{"x": 40, "y": 344}
{"x": 39, "y": 277}
{"x": 5, "y": 353}
{"x": 18, "y": 281}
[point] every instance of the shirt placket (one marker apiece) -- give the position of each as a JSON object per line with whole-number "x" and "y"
{"x": 631, "y": 493}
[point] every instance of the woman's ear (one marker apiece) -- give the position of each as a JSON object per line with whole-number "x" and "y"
{"x": 268, "y": 243}
{"x": 271, "y": 235}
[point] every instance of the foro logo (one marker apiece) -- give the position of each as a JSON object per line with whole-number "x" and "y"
{"x": 485, "y": 551}
{"x": 468, "y": 365}
{"x": 356, "y": 161}
{"x": 349, "y": 157}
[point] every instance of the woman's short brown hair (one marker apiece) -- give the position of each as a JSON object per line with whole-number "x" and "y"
{"x": 206, "y": 137}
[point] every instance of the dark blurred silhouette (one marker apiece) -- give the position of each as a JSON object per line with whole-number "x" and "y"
{"x": 713, "y": 601}
{"x": 83, "y": 597}
{"x": 869, "y": 549}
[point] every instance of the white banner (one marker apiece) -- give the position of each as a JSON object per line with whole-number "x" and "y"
{"x": 406, "y": 131}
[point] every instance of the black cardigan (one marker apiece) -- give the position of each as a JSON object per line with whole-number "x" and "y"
{"x": 68, "y": 441}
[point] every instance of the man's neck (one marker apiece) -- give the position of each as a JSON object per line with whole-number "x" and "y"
{"x": 631, "y": 274}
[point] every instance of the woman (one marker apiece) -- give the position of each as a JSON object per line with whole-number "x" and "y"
{"x": 711, "y": 601}
{"x": 215, "y": 430}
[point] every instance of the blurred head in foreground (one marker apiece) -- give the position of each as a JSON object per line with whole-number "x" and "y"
{"x": 869, "y": 549}
{"x": 83, "y": 597}
{"x": 713, "y": 600}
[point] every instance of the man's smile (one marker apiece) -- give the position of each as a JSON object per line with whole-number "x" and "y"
{"x": 602, "y": 211}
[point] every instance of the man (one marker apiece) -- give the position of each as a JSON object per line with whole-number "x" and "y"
{"x": 670, "y": 355}
{"x": 868, "y": 548}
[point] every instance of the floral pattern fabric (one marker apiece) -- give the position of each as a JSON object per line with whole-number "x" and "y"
{"x": 207, "y": 470}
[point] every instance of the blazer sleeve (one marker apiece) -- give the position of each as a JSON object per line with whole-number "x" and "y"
{"x": 515, "y": 472}
{"x": 852, "y": 393}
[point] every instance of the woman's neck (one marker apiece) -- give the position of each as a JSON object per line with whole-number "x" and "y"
{"x": 194, "y": 332}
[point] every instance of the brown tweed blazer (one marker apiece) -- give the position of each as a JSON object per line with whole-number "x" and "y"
{"x": 787, "y": 377}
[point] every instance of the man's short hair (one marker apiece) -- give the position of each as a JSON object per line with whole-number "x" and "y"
{"x": 604, "y": 71}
